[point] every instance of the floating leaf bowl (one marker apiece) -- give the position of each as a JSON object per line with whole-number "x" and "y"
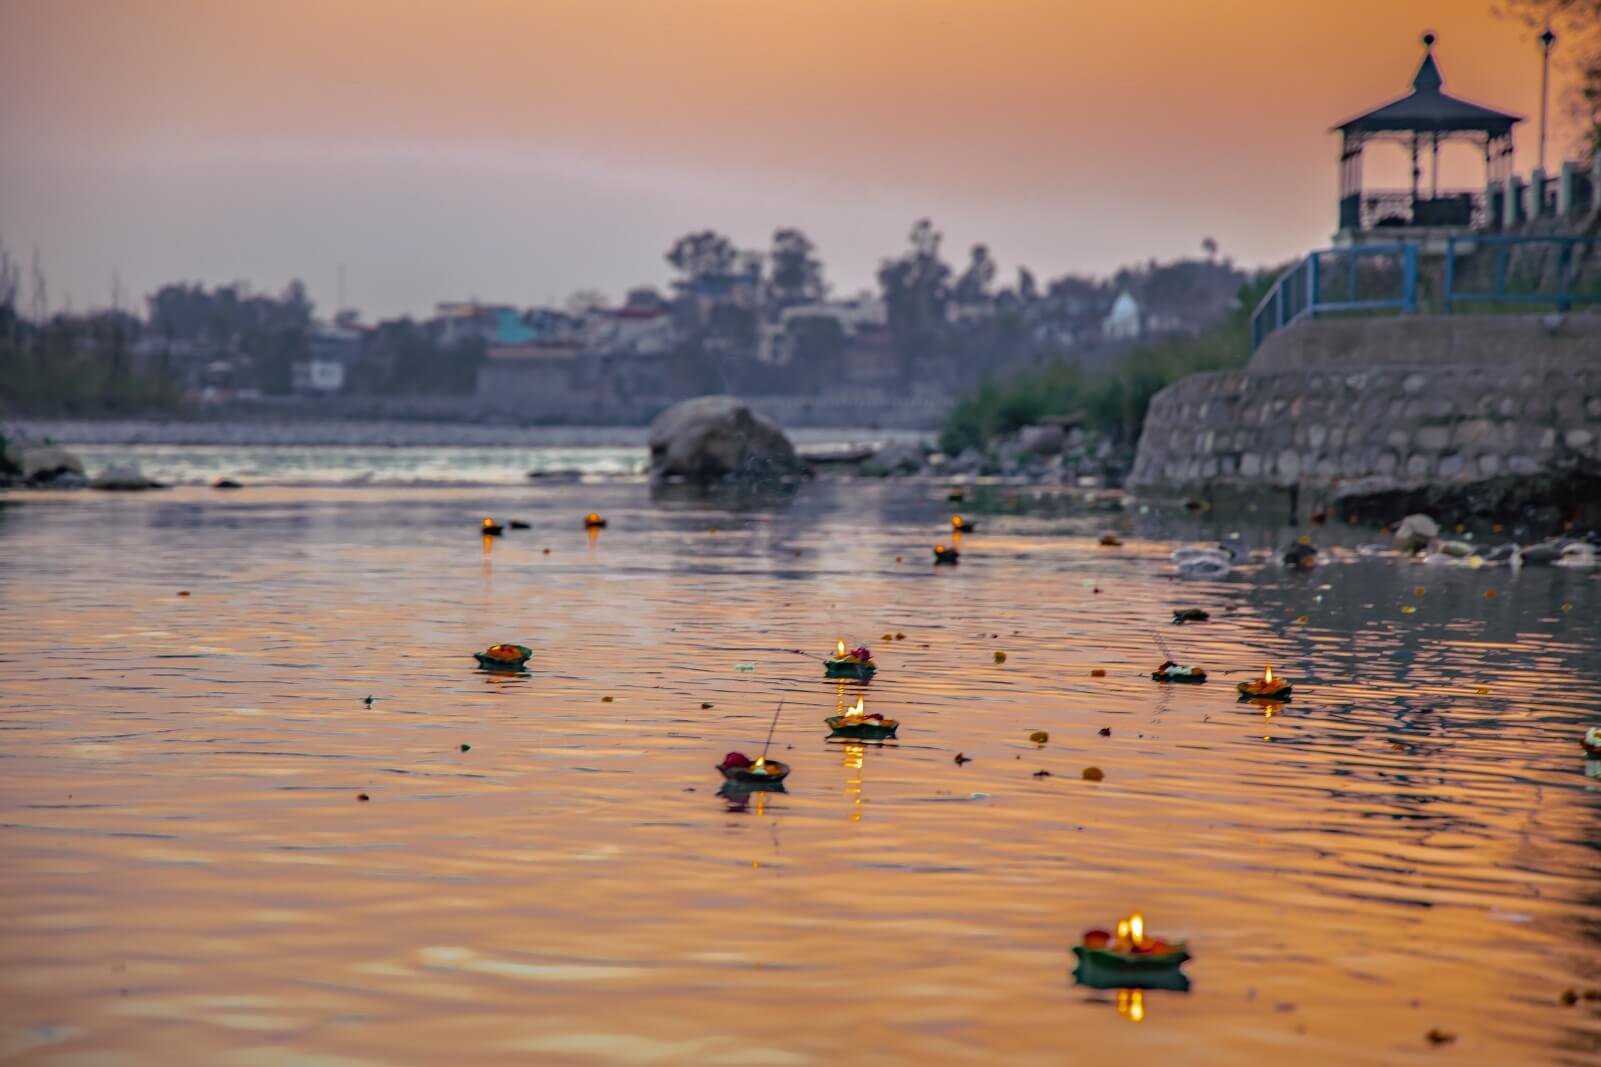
{"x": 862, "y": 729}
{"x": 749, "y": 777}
{"x": 504, "y": 657}
{"x": 849, "y": 667}
{"x": 1258, "y": 690}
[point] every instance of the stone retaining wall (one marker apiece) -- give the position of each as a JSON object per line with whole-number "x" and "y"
{"x": 1504, "y": 410}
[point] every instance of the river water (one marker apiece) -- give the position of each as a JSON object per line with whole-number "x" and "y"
{"x": 1410, "y": 845}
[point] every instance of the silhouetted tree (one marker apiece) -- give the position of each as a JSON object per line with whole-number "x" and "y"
{"x": 696, "y": 255}
{"x": 796, "y": 274}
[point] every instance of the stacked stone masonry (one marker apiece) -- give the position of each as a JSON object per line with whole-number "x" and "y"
{"x": 1385, "y": 424}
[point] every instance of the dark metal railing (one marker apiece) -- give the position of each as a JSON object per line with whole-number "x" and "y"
{"x": 1397, "y": 208}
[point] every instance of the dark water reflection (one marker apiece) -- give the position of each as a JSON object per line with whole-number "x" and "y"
{"x": 1410, "y": 843}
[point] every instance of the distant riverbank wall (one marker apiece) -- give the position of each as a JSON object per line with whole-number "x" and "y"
{"x": 1395, "y": 406}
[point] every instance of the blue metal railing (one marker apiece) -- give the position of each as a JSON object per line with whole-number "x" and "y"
{"x": 1563, "y": 271}
{"x": 1363, "y": 278}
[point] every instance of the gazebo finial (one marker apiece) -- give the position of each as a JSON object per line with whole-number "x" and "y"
{"x": 1428, "y": 78}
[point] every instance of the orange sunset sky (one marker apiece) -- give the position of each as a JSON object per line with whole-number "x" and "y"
{"x": 518, "y": 150}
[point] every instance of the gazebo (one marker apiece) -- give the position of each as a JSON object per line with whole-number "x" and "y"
{"x": 1423, "y": 120}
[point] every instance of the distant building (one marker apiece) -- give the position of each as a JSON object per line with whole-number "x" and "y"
{"x": 1122, "y": 323}
{"x": 775, "y": 344}
{"x": 494, "y": 324}
{"x": 332, "y": 352}
{"x": 629, "y": 330}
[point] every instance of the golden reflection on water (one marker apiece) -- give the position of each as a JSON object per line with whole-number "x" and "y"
{"x": 188, "y": 876}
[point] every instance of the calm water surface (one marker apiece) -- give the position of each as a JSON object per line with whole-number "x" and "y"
{"x": 188, "y": 876}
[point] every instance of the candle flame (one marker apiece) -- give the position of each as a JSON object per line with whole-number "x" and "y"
{"x": 841, "y": 647}
{"x": 1136, "y": 928}
{"x": 760, "y": 764}
{"x": 488, "y": 523}
{"x": 956, "y": 521}
{"x": 1122, "y": 929}
{"x": 592, "y": 517}
{"x": 939, "y": 548}
{"x": 1267, "y": 675}
{"x": 859, "y": 710}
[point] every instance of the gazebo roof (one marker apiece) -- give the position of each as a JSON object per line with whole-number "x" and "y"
{"x": 1429, "y": 109}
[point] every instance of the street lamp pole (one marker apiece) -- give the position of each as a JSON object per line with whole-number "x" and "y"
{"x": 1547, "y": 39}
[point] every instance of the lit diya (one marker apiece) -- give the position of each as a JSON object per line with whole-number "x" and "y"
{"x": 945, "y": 555}
{"x": 491, "y": 528}
{"x": 1592, "y": 742}
{"x": 1266, "y": 687}
{"x": 504, "y": 657}
{"x": 593, "y": 521}
{"x": 857, "y": 663}
{"x": 961, "y": 525}
{"x": 761, "y": 771}
{"x": 1173, "y": 672}
{"x": 860, "y": 724}
{"x": 1130, "y": 949}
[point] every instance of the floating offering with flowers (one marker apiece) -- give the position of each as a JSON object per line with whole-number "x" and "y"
{"x": 860, "y": 724}
{"x": 961, "y": 525}
{"x": 1130, "y": 949}
{"x": 761, "y": 771}
{"x": 945, "y": 555}
{"x": 491, "y": 528}
{"x": 855, "y": 663}
{"x": 504, "y": 657}
{"x": 1173, "y": 672}
{"x": 1592, "y": 742}
{"x": 593, "y": 521}
{"x": 1267, "y": 687}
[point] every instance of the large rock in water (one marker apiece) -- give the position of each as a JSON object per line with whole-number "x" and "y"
{"x": 718, "y": 438}
{"x": 36, "y": 462}
{"x": 1415, "y": 532}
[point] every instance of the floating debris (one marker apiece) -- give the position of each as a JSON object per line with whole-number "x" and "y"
{"x": 1592, "y": 741}
{"x": 1436, "y": 1036}
{"x": 606, "y": 700}
{"x": 855, "y": 663}
{"x": 961, "y": 759}
{"x": 518, "y": 524}
{"x": 705, "y": 706}
{"x": 465, "y": 747}
{"x": 1106, "y": 731}
{"x": 1000, "y": 657}
{"x": 744, "y": 667}
{"x": 1039, "y": 737}
{"x": 1173, "y": 672}
{"x": 1184, "y": 615}
{"x": 362, "y": 797}
{"x": 1042, "y": 774}
{"x": 183, "y": 592}
{"x": 1409, "y": 610}
{"x": 899, "y": 636}
{"x": 226, "y": 483}
{"x": 1299, "y": 555}
{"x": 1093, "y": 774}
{"x": 1098, "y": 672}
{"x": 504, "y": 657}
{"x": 1111, "y": 541}
{"x": 368, "y": 701}
{"x": 955, "y": 494}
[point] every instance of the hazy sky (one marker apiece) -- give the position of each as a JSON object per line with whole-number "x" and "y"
{"x": 517, "y": 150}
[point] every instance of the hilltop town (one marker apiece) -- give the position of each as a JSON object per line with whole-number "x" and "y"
{"x": 765, "y": 325}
